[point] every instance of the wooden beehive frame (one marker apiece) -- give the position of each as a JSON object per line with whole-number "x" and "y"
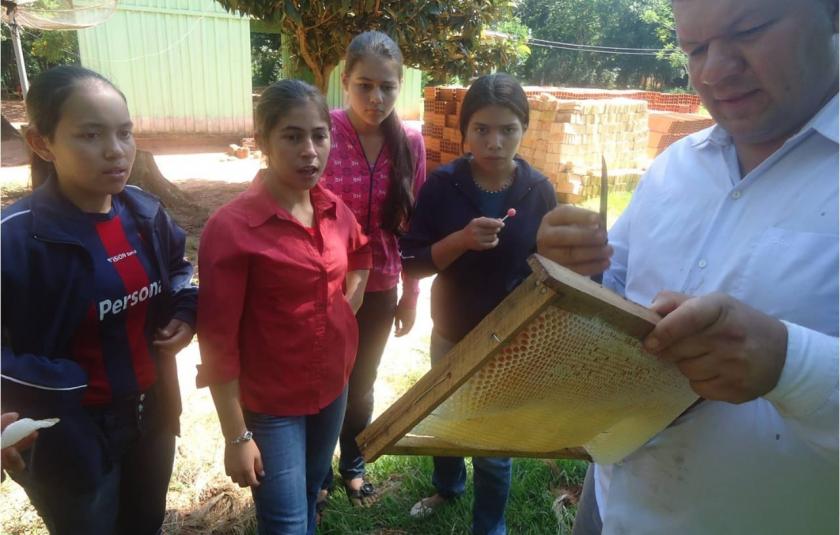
{"x": 549, "y": 285}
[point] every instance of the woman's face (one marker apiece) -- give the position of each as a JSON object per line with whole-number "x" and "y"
{"x": 372, "y": 88}
{"x": 493, "y": 135}
{"x": 298, "y": 147}
{"x": 92, "y": 147}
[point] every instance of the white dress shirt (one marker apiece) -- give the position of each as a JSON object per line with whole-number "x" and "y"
{"x": 769, "y": 239}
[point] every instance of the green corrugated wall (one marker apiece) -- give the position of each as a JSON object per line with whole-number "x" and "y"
{"x": 184, "y": 65}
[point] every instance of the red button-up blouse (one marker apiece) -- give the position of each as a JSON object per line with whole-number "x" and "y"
{"x": 271, "y": 308}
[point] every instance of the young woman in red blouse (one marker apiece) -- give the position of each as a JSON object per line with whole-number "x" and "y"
{"x": 283, "y": 268}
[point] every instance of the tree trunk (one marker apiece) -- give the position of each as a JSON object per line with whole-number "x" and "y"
{"x": 9, "y": 131}
{"x": 15, "y": 150}
{"x": 321, "y": 72}
{"x": 146, "y": 174}
{"x": 324, "y": 76}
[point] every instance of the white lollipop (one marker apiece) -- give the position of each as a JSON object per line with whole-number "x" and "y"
{"x": 20, "y": 429}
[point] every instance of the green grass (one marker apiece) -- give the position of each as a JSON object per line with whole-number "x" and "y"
{"x": 616, "y": 203}
{"x": 403, "y": 480}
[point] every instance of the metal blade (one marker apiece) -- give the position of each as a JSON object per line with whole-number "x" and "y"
{"x": 603, "y": 208}
{"x": 604, "y": 192}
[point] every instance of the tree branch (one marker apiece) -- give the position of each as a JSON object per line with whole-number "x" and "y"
{"x": 310, "y": 61}
{"x": 331, "y": 16}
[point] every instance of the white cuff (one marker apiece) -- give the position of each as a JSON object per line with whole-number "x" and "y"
{"x": 809, "y": 377}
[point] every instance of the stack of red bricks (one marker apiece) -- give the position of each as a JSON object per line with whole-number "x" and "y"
{"x": 672, "y": 102}
{"x": 247, "y": 147}
{"x": 441, "y": 109}
{"x": 567, "y": 139}
{"x": 666, "y": 128}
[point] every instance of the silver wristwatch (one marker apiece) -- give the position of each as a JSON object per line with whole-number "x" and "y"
{"x": 244, "y": 437}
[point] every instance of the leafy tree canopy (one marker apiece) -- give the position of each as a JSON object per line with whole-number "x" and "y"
{"x": 442, "y": 37}
{"x": 636, "y": 24}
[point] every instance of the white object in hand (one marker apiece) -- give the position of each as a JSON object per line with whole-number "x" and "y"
{"x": 20, "y": 429}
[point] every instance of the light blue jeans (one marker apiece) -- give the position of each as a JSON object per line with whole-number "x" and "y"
{"x": 296, "y": 453}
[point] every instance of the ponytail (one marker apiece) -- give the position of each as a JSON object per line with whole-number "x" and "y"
{"x": 399, "y": 202}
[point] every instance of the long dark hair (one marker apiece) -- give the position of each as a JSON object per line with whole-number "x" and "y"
{"x": 399, "y": 202}
{"x": 46, "y": 96}
{"x": 497, "y": 89}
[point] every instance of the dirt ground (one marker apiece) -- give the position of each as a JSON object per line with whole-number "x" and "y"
{"x": 14, "y": 110}
{"x": 208, "y": 193}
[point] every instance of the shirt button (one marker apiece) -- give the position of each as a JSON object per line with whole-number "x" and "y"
{"x": 702, "y": 264}
{"x": 736, "y": 194}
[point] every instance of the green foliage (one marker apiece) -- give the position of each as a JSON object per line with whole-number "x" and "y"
{"x": 515, "y": 42}
{"x": 266, "y": 59}
{"x": 442, "y": 37}
{"x": 42, "y": 50}
{"x": 614, "y": 23}
{"x": 659, "y": 14}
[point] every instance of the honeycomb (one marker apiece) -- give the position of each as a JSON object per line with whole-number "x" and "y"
{"x": 564, "y": 381}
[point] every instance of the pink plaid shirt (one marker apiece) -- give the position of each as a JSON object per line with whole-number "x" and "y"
{"x": 363, "y": 189}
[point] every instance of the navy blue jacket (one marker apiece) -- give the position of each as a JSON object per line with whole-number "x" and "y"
{"x": 472, "y": 286}
{"x": 47, "y": 285}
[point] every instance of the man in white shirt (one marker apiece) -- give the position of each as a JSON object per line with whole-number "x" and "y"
{"x": 732, "y": 236}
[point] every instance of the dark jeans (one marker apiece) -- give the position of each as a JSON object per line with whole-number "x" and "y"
{"x": 131, "y": 498}
{"x": 296, "y": 453}
{"x": 376, "y": 319}
{"x": 491, "y": 475}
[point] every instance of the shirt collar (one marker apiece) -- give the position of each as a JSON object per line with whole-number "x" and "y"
{"x": 824, "y": 122}
{"x": 262, "y": 206}
{"x": 715, "y": 135}
{"x": 55, "y": 217}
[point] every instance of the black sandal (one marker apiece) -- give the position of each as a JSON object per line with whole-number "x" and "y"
{"x": 362, "y": 497}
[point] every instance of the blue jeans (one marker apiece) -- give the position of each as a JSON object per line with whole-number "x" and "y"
{"x": 296, "y": 454}
{"x": 491, "y": 475}
{"x": 131, "y": 497}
